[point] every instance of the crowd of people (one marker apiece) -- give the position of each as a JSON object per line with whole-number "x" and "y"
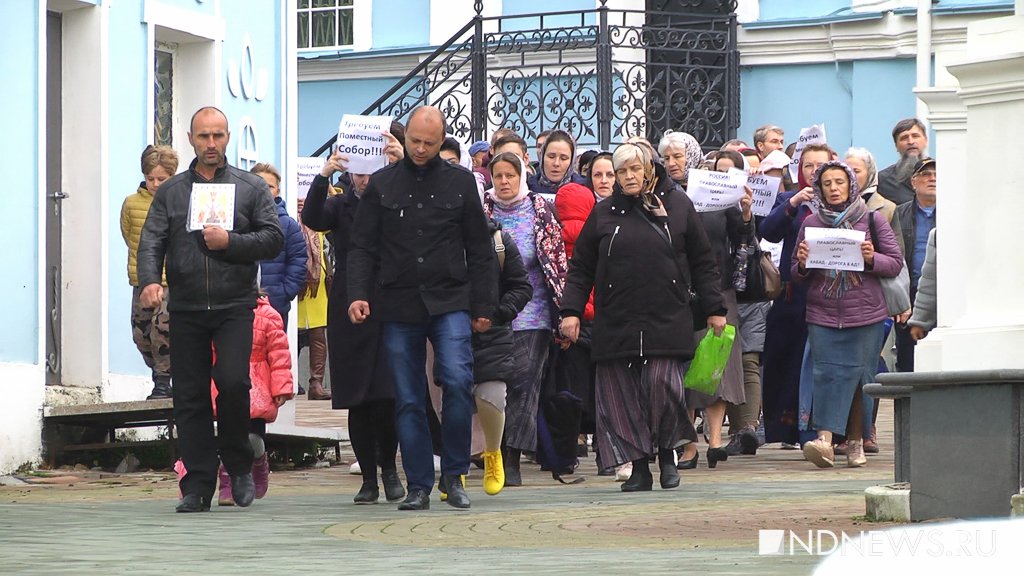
{"x": 458, "y": 289}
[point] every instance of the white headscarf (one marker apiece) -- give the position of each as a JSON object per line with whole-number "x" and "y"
{"x": 524, "y": 190}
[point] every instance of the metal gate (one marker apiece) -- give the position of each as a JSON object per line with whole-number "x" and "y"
{"x": 602, "y": 75}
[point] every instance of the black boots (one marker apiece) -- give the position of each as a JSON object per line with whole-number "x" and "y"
{"x": 393, "y": 489}
{"x": 161, "y": 390}
{"x": 510, "y": 458}
{"x": 666, "y": 461}
{"x": 641, "y": 479}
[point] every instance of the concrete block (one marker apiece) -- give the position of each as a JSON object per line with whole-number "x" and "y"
{"x": 888, "y": 503}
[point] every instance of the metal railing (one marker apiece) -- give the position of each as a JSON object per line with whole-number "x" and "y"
{"x": 602, "y": 75}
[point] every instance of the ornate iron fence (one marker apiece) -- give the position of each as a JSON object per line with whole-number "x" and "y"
{"x": 602, "y": 75}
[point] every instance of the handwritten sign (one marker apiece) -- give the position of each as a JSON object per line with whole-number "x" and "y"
{"x": 775, "y": 249}
{"x": 306, "y": 169}
{"x": 811, "y": 135}
{"x": 211, "y": 205}
{"x": 714, "y": 191}
{"x": 834, "y": 248}
{"x": 361, "y": 139}
{"x": 765, "y": 189}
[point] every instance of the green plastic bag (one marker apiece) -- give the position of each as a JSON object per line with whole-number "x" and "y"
{"x": 708, "y": 364}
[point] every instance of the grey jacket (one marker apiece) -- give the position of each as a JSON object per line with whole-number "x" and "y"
{"x": 924, "y": 315}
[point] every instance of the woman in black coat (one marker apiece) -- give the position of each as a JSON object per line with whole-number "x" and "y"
{"x": 641, "y": 252}
{"x": 493, "y": 358}
{"x": 360, "y": 379}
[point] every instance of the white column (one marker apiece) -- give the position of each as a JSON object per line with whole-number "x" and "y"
{"x": 956, "y": 196}
{"x": 978, "y": 241}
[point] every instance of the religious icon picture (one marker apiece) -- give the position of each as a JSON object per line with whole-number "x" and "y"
{"x": 211, "y": 205}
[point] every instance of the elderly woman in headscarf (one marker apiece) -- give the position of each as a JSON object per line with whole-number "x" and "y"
{"x": 846, "y": 312}
{"x": 556, "y": 168}
{"x": 641, "y": 252}
{"x": 530, "y": 220}
{"x": 679, "y": 153}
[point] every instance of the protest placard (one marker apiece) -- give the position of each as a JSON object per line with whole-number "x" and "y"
{"x": 306, "y": 168}
{"x": 834, "y": 248}
{"x": 775, "y": 249}
{"x": 361, "y": 138}
{"x": 765, "y": 189}
{"x": 713, "y": 191}
{"x": 814, "y": 134}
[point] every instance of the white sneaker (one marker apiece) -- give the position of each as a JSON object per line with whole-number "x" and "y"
{"x": 355, "y": 469}
{"x": 622, "y": 473}
{"x": 437, "y": 463}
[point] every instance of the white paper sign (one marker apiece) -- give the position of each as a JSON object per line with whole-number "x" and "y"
{"x": 211, "y": 205}
{"x": 765, "y": 189}
{"x": 811, "y": 135}
{"x": 306, "y": 169}
{"x": 714, "y": 191}
{"x": 834, "y": 248}
{"x": 775, "y": 249}
{"x": 361, "y": 139}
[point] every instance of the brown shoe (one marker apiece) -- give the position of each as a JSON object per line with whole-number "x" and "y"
{"x": 317, "y": 392}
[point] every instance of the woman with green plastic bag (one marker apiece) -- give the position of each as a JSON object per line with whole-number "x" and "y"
{"x": 639, "y": 250}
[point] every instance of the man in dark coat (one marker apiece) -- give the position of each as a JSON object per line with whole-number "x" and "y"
{"x": 420, "y": 230}
{"x": 917, "y": 220}
{"x": 211, "y": 274}
{"x": 911, "y": 139}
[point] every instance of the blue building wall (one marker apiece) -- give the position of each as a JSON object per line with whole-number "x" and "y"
{"x": 859, "y": 102}
{"x": 322, "y": 104}
{"x": 19, "y": 260}
{"x": 128, "y": 139}
{"x": 401, "y": 23}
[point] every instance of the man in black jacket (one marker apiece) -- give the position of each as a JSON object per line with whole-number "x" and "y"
{"x": 421, "y": 225}
{"x": 917, "y": 219}
{"x": 911, "y": 140}
{"x": 211, "y": 276}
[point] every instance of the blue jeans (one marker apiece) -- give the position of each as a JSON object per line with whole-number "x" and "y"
{"x": 405, "y": 344}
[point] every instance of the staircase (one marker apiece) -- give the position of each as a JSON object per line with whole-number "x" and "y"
{"x": 601, "y": 75}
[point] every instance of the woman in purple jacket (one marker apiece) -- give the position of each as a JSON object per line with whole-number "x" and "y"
{"x": 845, "y": 313}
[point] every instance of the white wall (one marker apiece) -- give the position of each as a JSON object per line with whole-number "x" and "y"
{"x": 21, "y": 415}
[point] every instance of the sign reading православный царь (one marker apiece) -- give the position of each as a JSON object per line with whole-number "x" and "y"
{"x": 361, "y": 138}
{"x": 834, "y": 248}
{"x": 714, "y": 191}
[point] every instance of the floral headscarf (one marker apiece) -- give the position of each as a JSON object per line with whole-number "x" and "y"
{"x": 839, "y": 216}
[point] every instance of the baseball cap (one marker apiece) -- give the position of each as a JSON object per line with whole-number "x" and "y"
{"x": 481, "y": 146}
{"x": 924, "y": 163}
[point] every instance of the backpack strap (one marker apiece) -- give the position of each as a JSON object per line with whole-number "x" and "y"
{"x": 499, "y": 249}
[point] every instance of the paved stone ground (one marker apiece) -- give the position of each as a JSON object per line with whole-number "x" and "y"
{"x": 85, "y": 522}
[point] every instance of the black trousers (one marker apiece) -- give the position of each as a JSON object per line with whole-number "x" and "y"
{"x": 371, "y": 428}
{"x": 192, "y": 367}
{"x": 904, "y": 343}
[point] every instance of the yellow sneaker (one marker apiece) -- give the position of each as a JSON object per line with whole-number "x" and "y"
{"x": 494, "y": 472}
{"x": 440, "y": 488}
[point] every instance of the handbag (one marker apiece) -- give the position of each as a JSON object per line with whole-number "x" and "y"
{"x": 758, "y": 279}
{"x": 897, "y": 289}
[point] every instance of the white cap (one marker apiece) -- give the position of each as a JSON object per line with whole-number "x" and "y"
{"x": 775, "y": 160}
